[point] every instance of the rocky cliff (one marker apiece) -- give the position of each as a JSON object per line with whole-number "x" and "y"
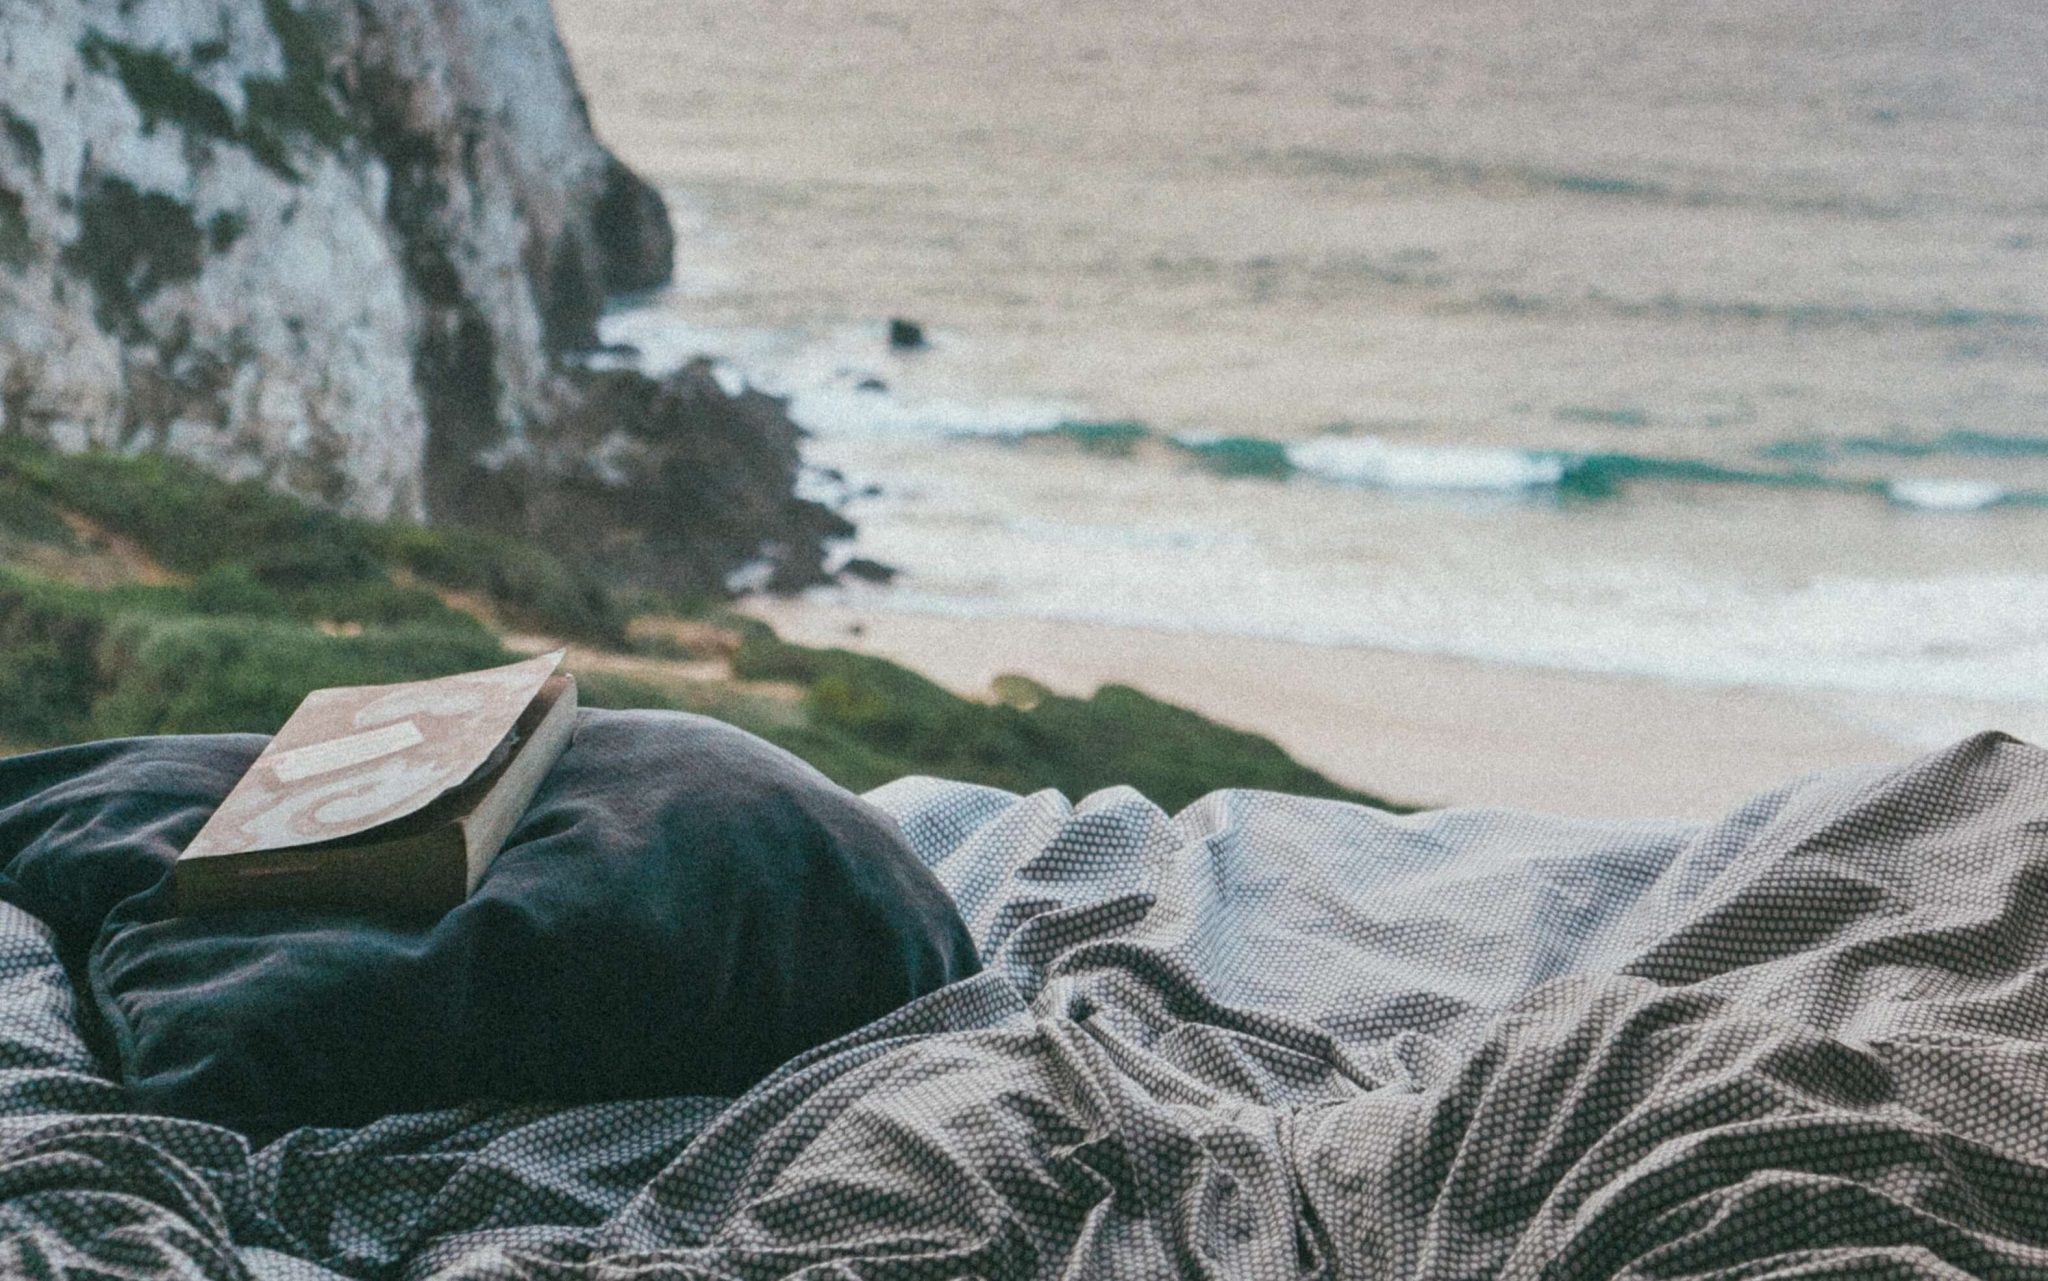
{"x": 358, "y": 248}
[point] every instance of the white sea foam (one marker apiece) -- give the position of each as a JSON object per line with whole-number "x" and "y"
{"x": 1943, "y": 495}
{"x": 838, "y": 382}
{"x": 1949, "y": 637}
{"x": 834, "y": 409}
{"x": 1369, "y": 460}
{"x": 1133, "y": 542}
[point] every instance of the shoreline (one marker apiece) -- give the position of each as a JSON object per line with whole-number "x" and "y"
{"x": 1417, "y": 728}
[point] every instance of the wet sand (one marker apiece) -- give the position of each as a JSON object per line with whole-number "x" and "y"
{"x": 1415, "y": 728}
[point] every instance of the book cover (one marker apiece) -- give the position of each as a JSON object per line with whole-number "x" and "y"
{"x": 383, "y": 796}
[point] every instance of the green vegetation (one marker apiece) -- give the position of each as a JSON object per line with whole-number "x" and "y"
{"x": 28, "y": 514}
{"x": 45, "y": 690}
{"x": 525, "y": 584}
{"x": 296, "y": 106}
{"x": 224, "y": 229}
{"x": 252, "y": 599}
{"x": 221, "y": 652}
{"x": 160, "y": 89}
{"x": 321, "y": 567}
{"x": 279, "y": 110}
{"x": 1033, "y": 739}
{"x": 131, "y": 244}
{"x": 27, "y": 141}
{"x": 15, "y": 245}
{"x": 298, "y": 38}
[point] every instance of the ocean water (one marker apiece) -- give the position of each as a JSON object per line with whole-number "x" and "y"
{"x": 1705, "y": 342}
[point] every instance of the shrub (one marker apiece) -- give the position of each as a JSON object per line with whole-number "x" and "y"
{"x": 28, "y": 514}
{"x": 210, "y": 675}
{"x": 232, "y": 589}
{"x": 192, "y": 521}
{"x": 48, "y": 676}
{"x": 324, "y": 565}
{"x": 381, "y": 603}
{"x": 871, "y": 720}
{"x": 532, "y": 586}
{"x": 605, "y": 689}
{"x": 79, "y": 664}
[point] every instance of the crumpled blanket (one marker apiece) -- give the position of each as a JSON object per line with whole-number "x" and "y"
{"x": 1268, "y": 1037}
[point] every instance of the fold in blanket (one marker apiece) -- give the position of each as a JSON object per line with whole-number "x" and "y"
{"x": 1268, "y": 1037}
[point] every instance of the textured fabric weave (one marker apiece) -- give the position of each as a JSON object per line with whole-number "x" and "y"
{"x": 1266, "y": 1038}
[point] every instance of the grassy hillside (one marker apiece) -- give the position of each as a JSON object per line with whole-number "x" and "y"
{"x": 143, "y": 596}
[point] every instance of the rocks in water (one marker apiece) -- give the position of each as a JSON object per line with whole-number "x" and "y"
{"x": 610, "y": 355}
{"x": 867, "y": 571}
{"x": 360, "y": 250}
{"x": 670, "y": 483}
{"x": 635, "y": 242}
{"x": 906, "y": 335}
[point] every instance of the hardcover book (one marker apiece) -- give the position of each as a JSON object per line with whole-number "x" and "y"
{"x": 383, "y": 797}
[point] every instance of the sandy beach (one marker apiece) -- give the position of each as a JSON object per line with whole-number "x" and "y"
{"x": 1415, "y": 728}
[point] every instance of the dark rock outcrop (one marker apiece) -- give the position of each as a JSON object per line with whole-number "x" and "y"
{"x": 861, "y": 569}
{"x": 670, "y": 482}
{"x": 635, "y": 242}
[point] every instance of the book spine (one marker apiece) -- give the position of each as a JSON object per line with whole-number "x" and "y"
{"x": 399, "y": 878}
{"x": 484, "y": 834}
{"x": 250, "y": 881}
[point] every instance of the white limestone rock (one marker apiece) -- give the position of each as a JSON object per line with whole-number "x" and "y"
{"x": 339, "y": 245}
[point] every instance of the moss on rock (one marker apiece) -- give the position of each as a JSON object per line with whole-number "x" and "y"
{"x": 16, "y": 246}
{"x": 280, "y": 111}
{"x": 224, "y": 229}
{"x": 297, "y": 105}
{"x": 23, "y": 136}
{"x": 131, "y": 243}
{"x": 160, "y": 89}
